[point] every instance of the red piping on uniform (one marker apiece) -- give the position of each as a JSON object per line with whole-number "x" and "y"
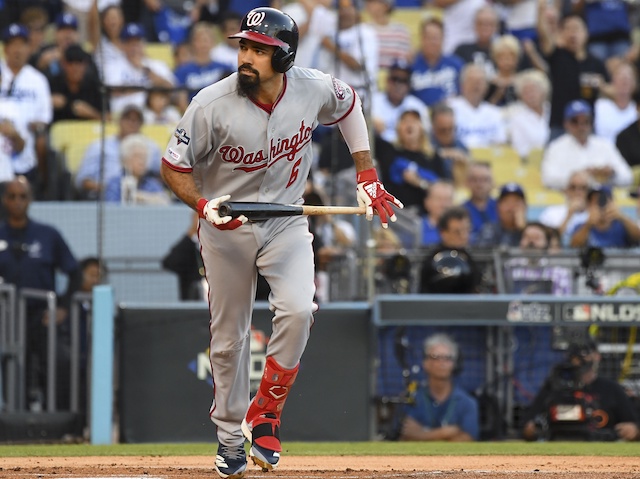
{"x": 347, "y": 113}
{"x": 176, "y": 168}
{"x": 269, "y": 108}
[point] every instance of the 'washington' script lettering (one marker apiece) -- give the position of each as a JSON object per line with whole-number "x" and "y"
{"x": 289, "y": 147}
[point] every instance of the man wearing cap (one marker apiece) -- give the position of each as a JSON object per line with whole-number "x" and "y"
{"x": 26, "y": 102}
{"x": 75, "y": 90}
{"x": 388, "y": 105}
{"x": 49, "y": 57}
{"x": 87, "y": 180}
{"x": 512, "y": 218}
{"x": 609, "y": 412}
{"x": 136, "y": 70}
{"x": 580, "y": 149}
{"x": 606, "y": 226}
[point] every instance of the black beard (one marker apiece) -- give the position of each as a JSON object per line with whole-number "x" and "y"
{"x": 247, "y": 85}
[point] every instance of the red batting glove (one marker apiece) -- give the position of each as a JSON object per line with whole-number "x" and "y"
{"x": 372, "y": 195}
{"x": 208, "y": 209}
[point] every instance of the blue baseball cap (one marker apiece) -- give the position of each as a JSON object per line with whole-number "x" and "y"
{"x": 577, "y": 107}
{"x": 132, "y": 30}
{"x": 67, "y": 20}
{"x": 511, "y": 188}
{"x": 15, "y": 30}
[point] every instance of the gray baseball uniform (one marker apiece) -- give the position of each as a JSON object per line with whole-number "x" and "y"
{"x": 233, "y": 145}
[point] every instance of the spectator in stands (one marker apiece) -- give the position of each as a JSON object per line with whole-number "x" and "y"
{"x": 628, "y": 140}
{"x": 137, "y": 184}
{"x": 93, "y": 272}
{"x": 512, "y": 218}
{"x": 185, "y": 261}
{"x": 415, "y": 164}
{"x": 520, "y": 18}
{"x": 442, "y": 411}
{"x": 354, "y": 58}
{"x": 608, "y": 25}
{"x": 181, "y": 54}
{"x": 482, "y": 208}
{"x": 608, "y": 412}
{"x": 35, "y": 18}
{"x": 87, "y": 180}
{"x": 159, "y": 110}
{"x": 201, "y": 71}
{"x": 479, "y": 123}
{"x": 574, "y": 72}
{"x": 12, "y": 142}
{"x": 75, "y": 91}
{"x": 535, "y": 273}
{"x": 33, "y": 255}
{"x": 48, "y": 58}
{"x": 485, "y": 25}
{"x": 438, "y": 198}
{"x": 598, "y": 156}
{"x": 527, "y": 119}
{"x": 446, "y": 142}
{"x": 458, "y": 18}
{"x": 606, "y": 226}
{"x": 573, "y": 211}
{"x": 104, "y": 28}
{"x": 394, "y": 38}
{"x": 448, "y": 267}
{"x": 226, "y": 51}
{"x": 389, "y": 104}
{"x": 612, "y": 115}
{"x": 27, "y": 104}
{"x": 316, "y": 19}
{"x": 505, "y": 53}
{"x": 435, "y": 75}
{"x": 137, "y": 71}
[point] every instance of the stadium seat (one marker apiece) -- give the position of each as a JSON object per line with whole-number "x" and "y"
{"x": 72, "y": 137}
{"x": 160, "y": 51}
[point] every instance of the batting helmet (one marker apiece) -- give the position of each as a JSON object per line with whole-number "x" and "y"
{"x": 272, "y": 27}
{"x": 448, "y": 272}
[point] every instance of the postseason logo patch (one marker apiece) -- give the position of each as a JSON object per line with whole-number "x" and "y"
{"x": 182, "y": 137}
{"x": 340, "y": 88}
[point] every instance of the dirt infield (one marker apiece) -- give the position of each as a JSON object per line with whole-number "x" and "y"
{"x": 326, "y": 467}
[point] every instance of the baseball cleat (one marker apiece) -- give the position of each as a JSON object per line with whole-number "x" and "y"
{"x": 267, "y": 455}
{"x": 231, "y": 461}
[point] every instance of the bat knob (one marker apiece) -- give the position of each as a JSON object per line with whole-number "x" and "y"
{"x": 224, "y": 209}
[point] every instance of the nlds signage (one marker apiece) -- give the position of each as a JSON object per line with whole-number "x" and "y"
{"x": 606, "y": 312}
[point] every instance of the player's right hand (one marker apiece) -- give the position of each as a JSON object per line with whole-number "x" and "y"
{"x": 208, "y": 209}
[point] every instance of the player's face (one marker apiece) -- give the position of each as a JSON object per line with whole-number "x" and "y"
{"x": 254, "y": 65}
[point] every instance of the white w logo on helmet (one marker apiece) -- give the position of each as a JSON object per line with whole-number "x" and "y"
{"x": 255, "y": 18}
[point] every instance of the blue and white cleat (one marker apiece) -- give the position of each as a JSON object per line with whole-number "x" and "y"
{"x": 231, "y": 461}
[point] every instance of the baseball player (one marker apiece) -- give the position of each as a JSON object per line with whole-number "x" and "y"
{"x": 248, "y": 137}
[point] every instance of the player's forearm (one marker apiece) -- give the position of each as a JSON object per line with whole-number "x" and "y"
{"x": 362, "y": 160}
{"x": 182, "y": 185}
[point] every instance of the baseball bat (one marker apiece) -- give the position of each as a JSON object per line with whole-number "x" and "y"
{"x": 264, "y": 211}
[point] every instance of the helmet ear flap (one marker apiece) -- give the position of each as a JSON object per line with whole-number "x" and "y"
{"x": 282, "y": 60}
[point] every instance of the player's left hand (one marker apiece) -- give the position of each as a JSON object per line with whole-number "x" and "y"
{"x": 208, "y": 209}
{"x": 372, "y": 195}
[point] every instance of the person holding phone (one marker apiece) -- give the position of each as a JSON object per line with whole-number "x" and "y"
{"x": 606, "y": 226}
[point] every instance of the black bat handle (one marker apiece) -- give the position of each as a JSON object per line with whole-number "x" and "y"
{"x": 225, "y": 209}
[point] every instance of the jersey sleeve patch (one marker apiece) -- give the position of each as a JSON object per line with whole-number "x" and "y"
{"x": 339, "y": 88}
{"x": 182, "y": 137}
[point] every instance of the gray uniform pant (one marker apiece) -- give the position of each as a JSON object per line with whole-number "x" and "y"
{"x": 281, "y": 250}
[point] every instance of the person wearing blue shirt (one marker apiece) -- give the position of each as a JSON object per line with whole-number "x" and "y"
{"x": 441, "y": 410}
{"x": 202, "y": 71}
{"x": 482, "y": 208}
{"x": 606, "y": 226}
{"x": 31, "y": 253}
{"x": 435, "y": 76}
{"x": 438, "y": 199}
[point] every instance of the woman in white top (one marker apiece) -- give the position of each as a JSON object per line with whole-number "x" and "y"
{"x": 612, "y": 115}
{"x": 104, "y": 28}
{"x": 528, "y": 118}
